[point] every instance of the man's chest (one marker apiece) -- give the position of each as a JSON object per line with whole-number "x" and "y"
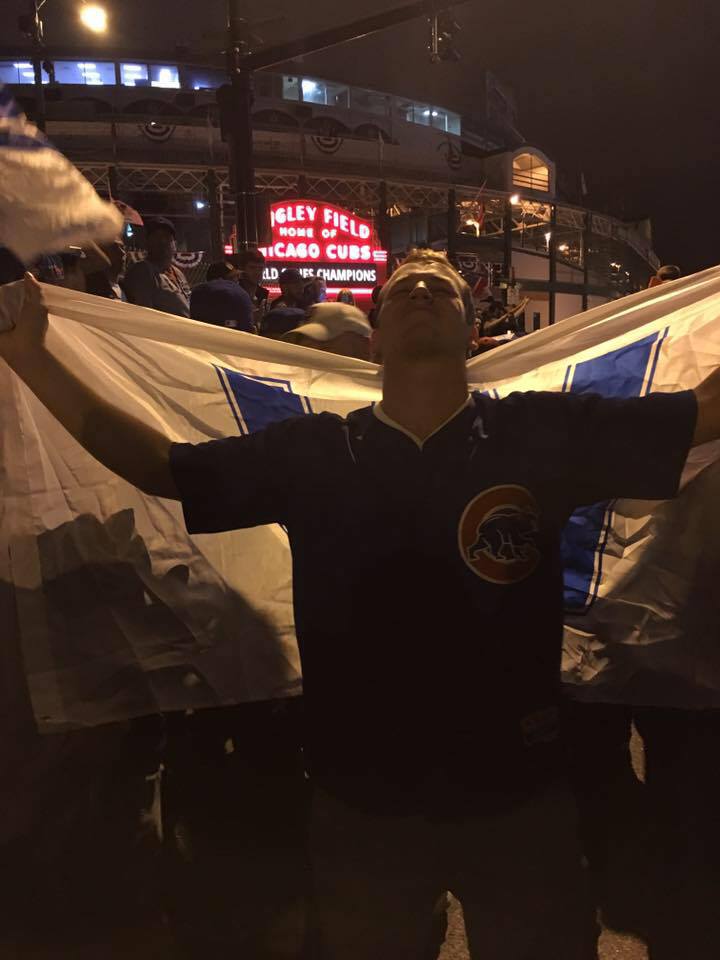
{"x": 464, "y": 516}
{"x": 173, "y": 283}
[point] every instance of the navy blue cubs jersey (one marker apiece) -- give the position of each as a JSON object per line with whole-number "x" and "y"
{"x": 428, "y": 580}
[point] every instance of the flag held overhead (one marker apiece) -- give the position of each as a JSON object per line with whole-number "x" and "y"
{"x": 46, "y": 204}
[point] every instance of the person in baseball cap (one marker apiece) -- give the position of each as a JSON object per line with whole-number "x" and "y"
{"x": 280, "y": 320}
{"x": 336, "y": 328}
{"x": 292, "y": 290}
{"x": 222, "y": 301}
{"x": 155, "y": 281}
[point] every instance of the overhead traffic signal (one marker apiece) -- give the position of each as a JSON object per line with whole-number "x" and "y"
{"x": 443, "y": 31}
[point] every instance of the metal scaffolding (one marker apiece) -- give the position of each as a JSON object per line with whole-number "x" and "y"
{"x": 599, "y": 246}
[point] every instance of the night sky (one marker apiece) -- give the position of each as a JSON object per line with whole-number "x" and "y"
{"x": 625, "y": 91}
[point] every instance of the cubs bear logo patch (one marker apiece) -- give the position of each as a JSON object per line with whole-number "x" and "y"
{"x": 497, "y": 534}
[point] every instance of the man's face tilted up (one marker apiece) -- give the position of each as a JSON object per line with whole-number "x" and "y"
{"x": 422, "y": 314}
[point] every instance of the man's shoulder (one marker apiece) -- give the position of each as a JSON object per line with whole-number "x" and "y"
{"x": 306, "y": 426}
{"x": 313, "y": 439}
{"x": 531, "y": 412}
{"x": 544, "y": 412}
{"x": 239, "y": 293}
{"x": 524, "y": 402}
{"x": 358, "y": 418}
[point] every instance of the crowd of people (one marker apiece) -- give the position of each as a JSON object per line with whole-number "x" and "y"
{"x": 330, "y": 828}
{"x": 232, "y": 295}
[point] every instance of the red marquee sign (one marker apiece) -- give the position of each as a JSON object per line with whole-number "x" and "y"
{"x": 326, "y": 240}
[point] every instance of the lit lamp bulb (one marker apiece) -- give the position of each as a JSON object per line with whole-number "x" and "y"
{"x": 515, "y": 199}
{"x": 93, "y": 17}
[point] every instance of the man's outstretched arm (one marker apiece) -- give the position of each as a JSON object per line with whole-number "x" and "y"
{"x": 707, "y": 426}
{"x": 127, "y": 446}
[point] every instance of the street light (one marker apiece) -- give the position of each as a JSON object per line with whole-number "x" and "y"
{"x": 94, "y": 17}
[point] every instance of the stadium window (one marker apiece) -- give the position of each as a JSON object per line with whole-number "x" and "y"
{"x": 85, "y": 73}
{"x": 16, "y": 71}
{"x": 291, "y": 88}
{"x": 530, "y": 172}
{"x": 454, "y": 124}
{"x": 313, "y": 91}
{"x": 134, "y": 75}
{"x": 369, "y": 101}
{"x": 337, "y": 95}
{"x": 444, "y": 120}
{"x": 424, "y": 114}
{"x": 406, "y": 110}
{"x": 438, "y": 117}
{"x": 428, "y": 116}
{"x": 165, "y": 76}
{"x": 203, "y": 79}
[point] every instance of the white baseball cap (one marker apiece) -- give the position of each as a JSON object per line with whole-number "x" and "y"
{"x": 330, "y": 320}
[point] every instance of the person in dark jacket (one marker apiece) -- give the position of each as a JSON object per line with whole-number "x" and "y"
{"x": 222, "y": 301}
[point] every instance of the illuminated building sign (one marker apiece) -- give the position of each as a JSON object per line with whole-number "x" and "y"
{"x": 325, "y": 240}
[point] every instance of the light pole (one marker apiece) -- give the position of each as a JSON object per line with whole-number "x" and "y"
{"x": 236, "y": 100}
{"x": 92, "y": 16}
{"x": 240, "y": 141}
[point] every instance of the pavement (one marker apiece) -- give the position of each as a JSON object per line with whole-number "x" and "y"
{"x": 613, "y": 946}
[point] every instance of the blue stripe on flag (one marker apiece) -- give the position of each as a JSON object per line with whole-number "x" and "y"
{"x": 20, "y": 141}
{"x": 13, "y": 126}
{"x": 256, "y": 402}
{"x": 8, "y": 104}
{"x": 622, "y": 373}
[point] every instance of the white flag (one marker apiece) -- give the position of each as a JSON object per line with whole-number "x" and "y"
{"x": 121, "y": 613}
{"x": 46, "y": 204}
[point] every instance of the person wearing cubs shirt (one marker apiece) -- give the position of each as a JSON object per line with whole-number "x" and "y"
{"x": 425, "y": 533}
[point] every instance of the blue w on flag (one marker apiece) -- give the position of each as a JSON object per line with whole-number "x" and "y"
{"x": 45, "y": 202}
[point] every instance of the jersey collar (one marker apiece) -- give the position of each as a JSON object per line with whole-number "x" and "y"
{"x": 380, "y": 414}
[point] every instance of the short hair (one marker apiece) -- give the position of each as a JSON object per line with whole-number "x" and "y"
{"x": 243, "y": 257}
{"x": 669, "y": 272}
{"x": 425, "y": 256}
{"x": 219, "y": 270}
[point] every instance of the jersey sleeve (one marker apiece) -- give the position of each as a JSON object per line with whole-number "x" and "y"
{"x": 236, "y": 482}
{"x": 633, "y": 449}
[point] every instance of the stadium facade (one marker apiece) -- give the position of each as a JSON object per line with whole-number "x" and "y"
{"x": 148, "y": 133}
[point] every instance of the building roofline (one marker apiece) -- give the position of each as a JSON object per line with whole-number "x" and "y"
{"x": 181, "y": 56}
